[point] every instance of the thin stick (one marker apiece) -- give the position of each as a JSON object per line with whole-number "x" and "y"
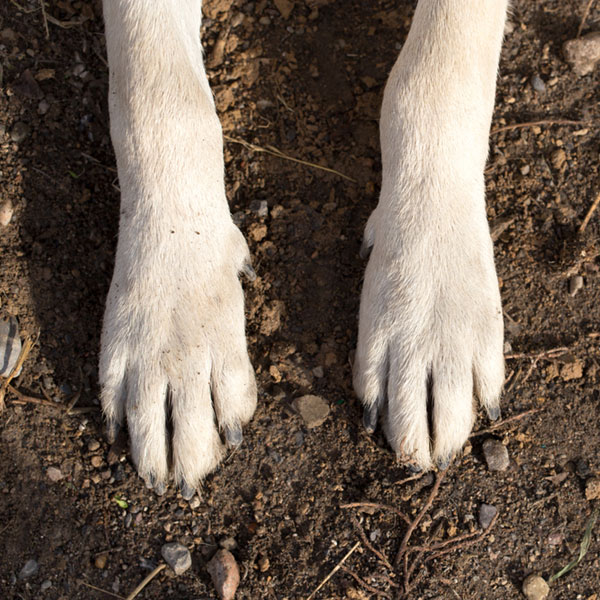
{"x": 45, "y": 19}
{"x": 334, "y": 570}
{"x": 364, "y": 584}
{"x": 24, "y": 399}
{"x": 534, "y": 124}
{"x": 420, "y": 515}
{"x": 93, "y": 587}
{"x": 586, "y": 12}
{"x": 405, "y": 518}
{"x": 504, "y": 422}
{"x": 363, "y": 536}
{"x": 552, "y": 353}
{"x": 411, "y": 478}
{"x": 279, "y": 154}
{"x": 589, "y": 214}
{"x": 25, "y": 349}
{"x": 146, "y": 581}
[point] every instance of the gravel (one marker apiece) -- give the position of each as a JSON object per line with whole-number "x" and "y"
{"x": 583, "y": 53}
{"x": 535, "y": 588}
{"x": 177, "y": 556}
{"x": 225, "y": 574}
{"x": 29, "y": 569}
{"x": 314, "y": 410}
{"x": 486, "y": 513}
{"x": 496, "y": 455}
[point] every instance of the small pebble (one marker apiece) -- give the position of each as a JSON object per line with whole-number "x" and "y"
{"x": 496, "y": 455}
{"x": 19, "y": 132}
{"x": 96, "y": 461}
{"x": 6, "y": 213}
{"x": 10, "y": 345}
{"x": 537, "y": 83}
{"x": 314, "y": 410}
{"x": 525, "y": 169}
{"x": 583, "y": 53}
{"x": 30, "y": 568}
{"x": 195, "y": 502}
{"x": 225, "y": 574}
{"x": 486, "y": 513}
{"x": 228, "y": 543}
{"x": 93, "y": 445}
{"x": 101, "y": 560}
{"x": 263, "y": 564}
{"x": 46, "y": 585}
{"x": 535, "y": 588}
{"x": 177, "y": 556}
{"x": 592, "y": 488}
{"x": 575, "y": 284}
{"x": 318, "y": 372}
{"x": 54, "y": 474}
{"x": 43, "y": 107}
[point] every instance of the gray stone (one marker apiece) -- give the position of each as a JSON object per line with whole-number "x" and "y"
{"x": 29, "y": 569}
{"x": 496, "y": 455}
{"x": 535, "y": 588}
{"x": 537, "y": 83}
{"x": 486, "y": 513}
{"x": 46, "y": 585}
{"x": 54, "y": 474}
{"x": 583, "y": 53}
{"x": 10, "y": 345}
{"x": 575, "y": 284}
{"x": 228, "y": 543}
{"x": 314, "y": 410}
{"x": 177, "y": 556}
{"x": 19, "y": 132}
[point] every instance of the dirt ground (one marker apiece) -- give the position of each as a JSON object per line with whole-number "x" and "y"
{"x": 309, "y": 85}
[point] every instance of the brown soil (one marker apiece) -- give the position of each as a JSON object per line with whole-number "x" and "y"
{"x": 310, "y": 86}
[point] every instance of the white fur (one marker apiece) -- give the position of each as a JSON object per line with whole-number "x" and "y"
{"x": 174, "y": 321}
{"x": 430, "y": 315}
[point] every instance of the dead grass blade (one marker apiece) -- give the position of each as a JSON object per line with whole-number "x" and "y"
{"x": 146, "y": 581}
{"x": 334, "y": 570}
{"x": 586, "y": 12}
{"x": 585, "y": 544}
{"x": 589, "y": 214}
{"x": 534, "y": 124}
{"x": 279, "y": 154}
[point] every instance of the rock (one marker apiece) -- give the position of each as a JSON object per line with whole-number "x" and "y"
{"x": 195, "y": 502}
{"x": 313, "y": 410}
{"x": 46, "y": 585}
{"x": 10, "y": 345}
{"x": 101, "y": 560}
{"x": 19, "y": 132}
{"x": 225, "y": 574}
{"x": 228, "y": 543}
{"x": 496, "y": 455}
{"x": 93, "y": 445}
{"x": 6, "y": 213}
{"x": 535, "y": 588}
{"x": 575, "y": 284}
{"x": 96, "y": 461}
{"x": 592, "y": 488}
{"x": 285, "y": 7}
{"x": 263, "y": 564}
{"x": 572, "y": 370}
{"x": 30, "y": 568}
{"x": 177, "y": 556}
{"x": 583, "y": 53}
{"x": 537, "y": 83}
{"x": 54, "y": 474}
{"x": 27, "y": 87}
{"x": 486, "y": 513}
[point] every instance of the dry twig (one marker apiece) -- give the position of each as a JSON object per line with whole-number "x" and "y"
{"x": 376, "y": 505}
{"x": 365, "y": 585}
{"x": 279, "y": 154}
{"x": 534, "y": 124}
{"x": 549, "y": 354}
{"x": 586, "y": 12}
{"x": 146, "y": 581}
{"x": 363, "y": 536}
{"x": 334, "y": 570}
{"x": 504, "y": 422}
{"x": 25, "y": 349}
{"x": 589, "y": 214}
{"x": 93, "y": 587}
{"x": 44, "y": 16}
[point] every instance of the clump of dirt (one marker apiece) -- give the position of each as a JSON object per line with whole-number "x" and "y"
{"x": 306, "y": 79}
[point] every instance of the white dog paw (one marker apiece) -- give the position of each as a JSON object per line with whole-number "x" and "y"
{"x": 174, "y": 363}
{"x": 430, "y": 331}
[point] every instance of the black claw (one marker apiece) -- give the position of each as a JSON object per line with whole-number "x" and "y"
{"x": 150, "y": 481}
{"x": 234, "y": 436}
{"x": 370, "y": 415}
{"x": 160, "y": 488}
{"x": 414, "y": 468}
{"x": 494, "y": 413}
{"x": 365, "y": 250}
{"x": 187, "y": 491}
{"x": 444, "y": 463}
{"x": 249, "y": 272}
{"x": 112, "y": 431}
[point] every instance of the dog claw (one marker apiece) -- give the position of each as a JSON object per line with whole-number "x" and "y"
{"x": 370, "y": 415}
{"x": 187, "y": 491}
{"x": 112, "y": 431}
{"x": 249, "y": 272}
{"x": 234, "y": 436}
{"x": 494, "y": 413}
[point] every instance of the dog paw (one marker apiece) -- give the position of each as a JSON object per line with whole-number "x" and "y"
{"x": 174, "y": 363}
{"x": 430, "y": 329}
